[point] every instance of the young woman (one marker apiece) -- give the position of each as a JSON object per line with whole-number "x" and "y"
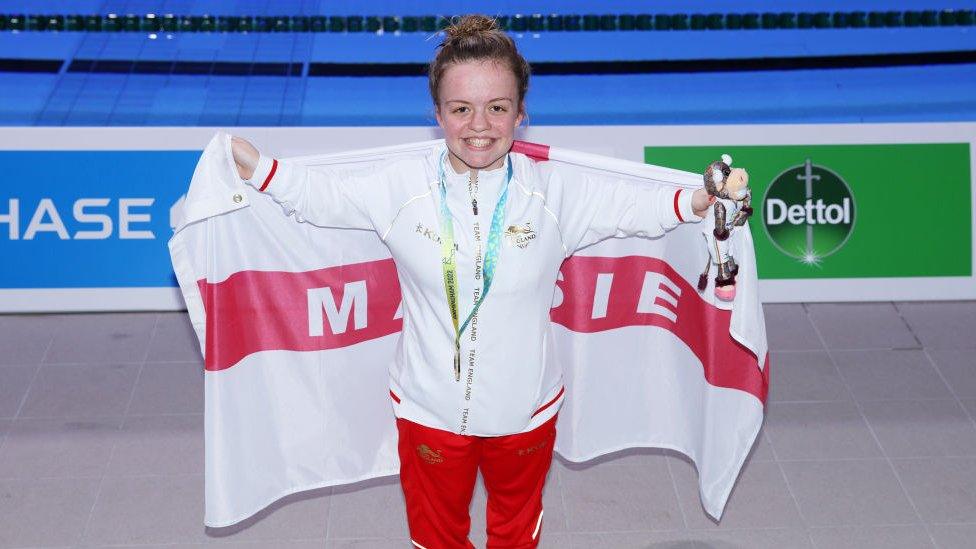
{"x": 478, "y": 236}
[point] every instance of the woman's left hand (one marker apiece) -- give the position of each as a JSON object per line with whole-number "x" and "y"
{"x": 701, "y": 201}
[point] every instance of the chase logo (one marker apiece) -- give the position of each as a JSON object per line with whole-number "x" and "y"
{"x": 87, "y": 219}
{"x": 808, "y": 212}
{"x": 90, "y": 218}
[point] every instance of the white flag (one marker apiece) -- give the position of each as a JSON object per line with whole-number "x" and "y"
{"x": 647, "y": 360}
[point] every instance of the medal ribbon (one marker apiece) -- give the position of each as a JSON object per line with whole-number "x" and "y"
{"x": 450, "y": 266}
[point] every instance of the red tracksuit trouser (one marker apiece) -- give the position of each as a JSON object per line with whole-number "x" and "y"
{"x": 438, "y": 470}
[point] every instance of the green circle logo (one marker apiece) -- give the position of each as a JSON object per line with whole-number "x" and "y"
{"x": 808, "y": 212}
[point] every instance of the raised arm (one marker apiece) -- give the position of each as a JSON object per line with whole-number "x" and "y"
{"x": 323, "y": 196}
{"x": 593, "y": 206}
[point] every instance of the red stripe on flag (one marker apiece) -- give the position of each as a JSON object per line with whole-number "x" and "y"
{"x": 395, "y": 398}
{"x": 274, "y": 168}
{"x": 535, "y": 151}
{"x": 550, "y": 403}
{"x": 703, "y": 327}
{"x": 254, "y": 311}
{"x": 677, "y": 210}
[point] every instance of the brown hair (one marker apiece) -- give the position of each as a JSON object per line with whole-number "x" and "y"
{"x": 476, "y": 38}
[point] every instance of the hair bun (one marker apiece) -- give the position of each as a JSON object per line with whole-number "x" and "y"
{"x": 470, "y": 25}
{"x": 477, "y": 38}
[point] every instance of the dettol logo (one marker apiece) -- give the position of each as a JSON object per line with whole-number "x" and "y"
{"x": 808, "y": 212}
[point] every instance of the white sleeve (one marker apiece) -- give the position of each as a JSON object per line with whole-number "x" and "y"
{"x": 593, "y": 207}
{"x": 323, "y": 196}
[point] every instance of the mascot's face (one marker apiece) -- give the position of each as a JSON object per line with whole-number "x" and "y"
{"x": 737, "y": 184}
{"x": 726, "y": 182}
{"x": 478, "y": 112}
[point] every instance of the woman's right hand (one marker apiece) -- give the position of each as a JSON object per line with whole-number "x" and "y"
{"x": 245, "y": 156}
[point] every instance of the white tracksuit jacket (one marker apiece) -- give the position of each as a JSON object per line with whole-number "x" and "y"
{"x": 506, "y": 385}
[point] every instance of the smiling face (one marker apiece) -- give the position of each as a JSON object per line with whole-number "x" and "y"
{"x": 478, "y": 111}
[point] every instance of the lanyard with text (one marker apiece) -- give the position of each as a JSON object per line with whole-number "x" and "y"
{"x": 448, "y": 259}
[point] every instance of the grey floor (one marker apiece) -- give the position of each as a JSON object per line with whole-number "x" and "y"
{"x": 869, "y": 441}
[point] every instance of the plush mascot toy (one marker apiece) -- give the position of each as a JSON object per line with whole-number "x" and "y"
{"x": 731, "y": 208}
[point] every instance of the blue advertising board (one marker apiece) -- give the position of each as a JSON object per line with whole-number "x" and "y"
{"x": 89, "y": 219}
